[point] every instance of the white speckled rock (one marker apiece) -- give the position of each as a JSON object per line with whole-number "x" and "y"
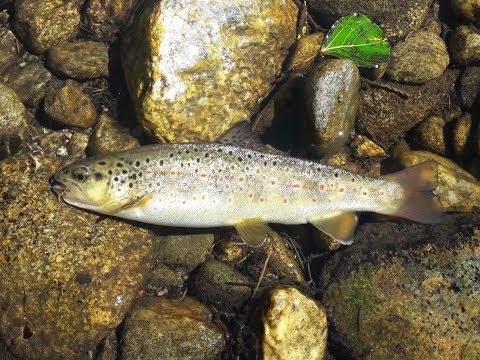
{"x": 13, "y": 121}
{"x": 194, "y": 68}
{"x": 294, "y": 326}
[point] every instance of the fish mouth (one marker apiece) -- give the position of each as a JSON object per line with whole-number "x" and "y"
{"x": 60, "y": 188}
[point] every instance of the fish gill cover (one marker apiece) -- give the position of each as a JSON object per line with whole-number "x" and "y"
{"x": 357, "y": 38}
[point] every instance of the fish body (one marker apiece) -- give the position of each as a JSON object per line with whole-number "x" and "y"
{"x": 213, "y": 184}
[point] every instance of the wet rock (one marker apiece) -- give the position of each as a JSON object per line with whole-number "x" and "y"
{"x": 108, "y": 136}
{"x": 429, "y": 135}
{"x": 79, "y": 60}
{"x": 109, "y": 347}
{"x": 13, "y": 122}
{"x": 433, "y": 26}
{"x": 68, "y": 278}
{"x": 388, "y": 111}
{"x": 420, "y": 58}
{"x": 469, "y": 89}
{"x": 220, "y": 285}
{"x": 218, "y": 60}
{"x": 294, "y": 326}
{"x": 468, "y": 10}
{"x": 103, "y": 18}
{"x": 10, "y": 49}
{"x": 157, "y": 328}
{"x": 399, "y": 147}
{"x": 333, "y": 91}
{"x": 465, "y": 45}
{"x": 70, "y": 106}
{"x": 187, "y": 251}
{"x": 29, "y": 80}
{"x": 165, "y": 281}
{"x": 461, "y": 135}
{"x": 366, "y": 148}
{"x": 55, "y": 143}
{"x": 282, "y": 264}
{"x": 396, "y": 21}
{"x": 406, "y": 290}
{"x": 305, "y": 51}
{"x": 42, "y": 24}
{"x": 77, "y": 145}
{"x": 230, "y": 252}
{"x": 458, "y": 190}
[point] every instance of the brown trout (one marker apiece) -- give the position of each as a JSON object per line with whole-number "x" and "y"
{"x": 217, "y": 184}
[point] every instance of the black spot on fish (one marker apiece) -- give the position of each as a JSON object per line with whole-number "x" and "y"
{"x": 110, "y": 172}
{"x": 119, "y": 164}
{"x": 187, "y": 151}
{"x": 249, "y": 156}
{"x": 239, "y": 159}
{"x": 115, "y": 178}
{"x": 265, "y": 163}
{"x": 181, "y": 165}
{"x": 161, "y": 162}
{"x": 130, "y": 185}
{"x": 219, "y": 150}
{"x": 206, "y": 155}
{"x": 171, "y": 155}
{"x": 102, "y": 163}
{"x": 274, "y": 163}
{"x": 140, "y": 174}
{"x": 198, "y": 160}
{"x": 319, "y": 169}
{"x": 137, "y": 163}
{"x": 352, "y": 180}
{"x": 147, "y": 160}
{"x": 195, "y": 149}
{"x": 230, "y": 152}
{"x": 134, "y": 176}
{"x": 98, "y": 176}
{"x": 336, "y": 174}
{"x": 124, "y": 171}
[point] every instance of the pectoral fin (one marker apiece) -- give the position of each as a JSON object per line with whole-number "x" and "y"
{"x": 340, "y": 226}
{"x": 137, "y": 204}
{"x": 254, "y": 232}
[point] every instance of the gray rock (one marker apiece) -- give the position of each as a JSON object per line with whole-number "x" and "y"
{"x": 388, "y": 110}
{"x": 469, "y": 89}
{"x": 420, "y": 58}
{"x": 13, "y": 122}
{"x": 166, "y": 281}
{"x": 468, "y": 10}
{"x": 108, "y": 136}
{"x": 55, "y": 143}
{"x": 294, "y": 326}
{"x": 42, "y": 24}
{"x": 187, "y": 251}
{"x": 158, "y": 328}
{"x": 67, "y": 278}
{"x": 10, "y": 49}
{"x": 333, "y": 91}
{"x": 30, "y": 81}
{"x": 465, "y": 45}
{"x": 79, "y": 60}
{"x": 193, "y": 69}
{"x": 407, "y": 290}
{"x": 396, "y": 19}
{"x": 78, "y": 144}
{"x": 103, "y": 18}
{"x": 70, "y": 106}
{"x": 220, "y": 285}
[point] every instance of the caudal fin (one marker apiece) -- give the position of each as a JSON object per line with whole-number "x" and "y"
{"x": 420, "y": 203}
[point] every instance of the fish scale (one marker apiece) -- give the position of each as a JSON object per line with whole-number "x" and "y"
{"x": 213, "y": 184}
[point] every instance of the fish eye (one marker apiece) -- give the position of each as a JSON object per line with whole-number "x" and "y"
{"x": 80, "y": 174}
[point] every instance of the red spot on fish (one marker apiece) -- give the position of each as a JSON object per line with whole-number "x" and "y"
{"x": 382, "y": 193}
{"x": 258, "y": 171}
{"x": 296, "y": 185}
{"x": 184, "y": 184}
{"x": 241, "y": 179}
{"x": 250, "y": 195}
{"x": 314, "y": 200}
{"x": 285, "y": 200}
{"x": 322, "y": 187}
{"x": 203, "y": 175}
{"x": 148, "y": 172}
{"x": 262, "y": 199}
{"x": 332, "y": 185}
{"x": 158, "y": 184}
{"x": 341, "y": 189}
{"x": 221, "y": 179}
{"x": 172, "y": 172}
{"x": 364, "y": 193}
{"x": 273, "y": 182}
{"x": 264, "y": 177}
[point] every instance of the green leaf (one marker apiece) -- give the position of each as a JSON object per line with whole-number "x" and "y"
{"x": 357, "y": 38}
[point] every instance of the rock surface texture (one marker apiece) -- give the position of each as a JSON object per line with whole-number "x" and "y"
{"x": 407, "y": 291}
{"x": 194, "y": 68}
{"x": 67, "y": 278}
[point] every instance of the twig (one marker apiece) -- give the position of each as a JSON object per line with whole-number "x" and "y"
{"x": 263, "y": 272}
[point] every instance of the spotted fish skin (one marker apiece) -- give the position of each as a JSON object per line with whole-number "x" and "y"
{"x": 211, "y": 184}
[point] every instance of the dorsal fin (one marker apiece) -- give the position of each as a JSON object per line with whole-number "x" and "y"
{"x": 241, "y": 135}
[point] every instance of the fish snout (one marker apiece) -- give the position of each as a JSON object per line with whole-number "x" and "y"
{"x": 58, "y": 186}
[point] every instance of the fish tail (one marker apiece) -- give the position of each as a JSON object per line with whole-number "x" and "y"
{"x": 420, "y": 203}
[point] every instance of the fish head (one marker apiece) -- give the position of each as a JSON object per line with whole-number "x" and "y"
{"x": 100, "y": 184}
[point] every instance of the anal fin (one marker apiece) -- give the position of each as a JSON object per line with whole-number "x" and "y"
{"x": 254, "y": 232}
{"x": 341, "y": 226}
